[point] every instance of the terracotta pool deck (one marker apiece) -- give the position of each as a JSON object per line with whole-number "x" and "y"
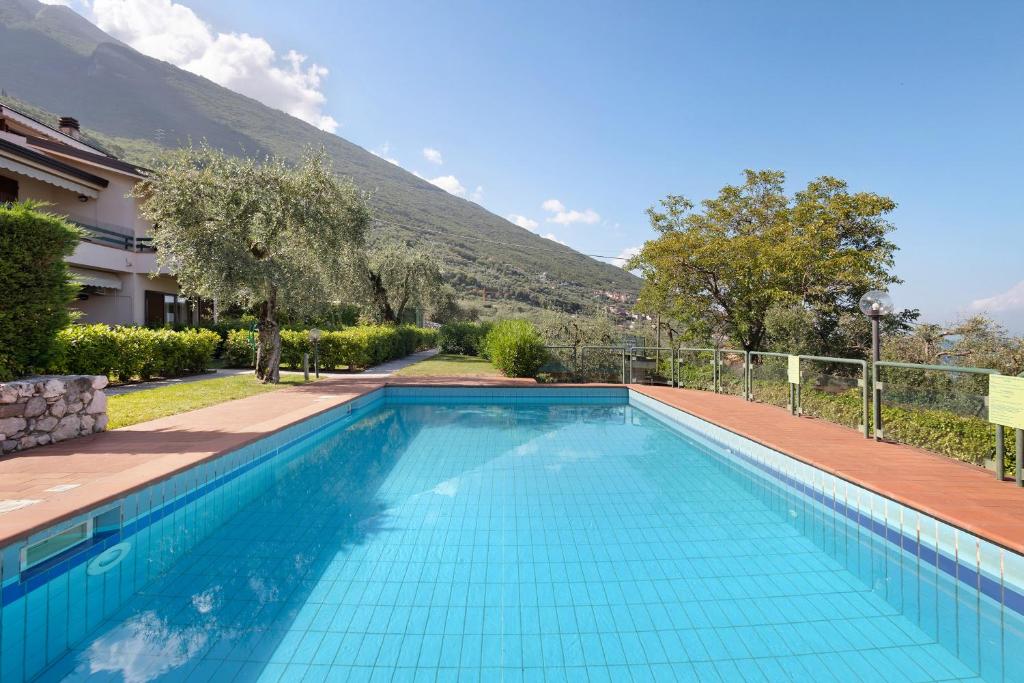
{"x": 107, "y": 466}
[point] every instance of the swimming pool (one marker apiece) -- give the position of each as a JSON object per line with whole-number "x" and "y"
{"x": 542, "y": 534}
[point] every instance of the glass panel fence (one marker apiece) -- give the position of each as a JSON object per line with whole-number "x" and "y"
{"x": 833, "y": 389}
{"x": 560, "y": 366}
{"x": 600, "y": 364}
{"x": 650, "y": 365}
{"x": 732, "y": 372}
{"x": 769, "y": 378}
{"x": 695, "y": 368}
{"x": 941, "y": 409}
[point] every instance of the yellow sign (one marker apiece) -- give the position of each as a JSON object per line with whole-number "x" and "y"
{"x": 1006, "y": 401}
{"x": 794, "y": 369}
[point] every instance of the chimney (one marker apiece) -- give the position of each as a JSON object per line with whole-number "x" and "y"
{"x": 69, "y": 126}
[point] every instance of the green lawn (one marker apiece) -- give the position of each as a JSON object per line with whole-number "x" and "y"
{"x": 451, "y": 365}
{"x": 149, "y": 404}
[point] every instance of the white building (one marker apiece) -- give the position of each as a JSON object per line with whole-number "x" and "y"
{"x": 121, "y": 283}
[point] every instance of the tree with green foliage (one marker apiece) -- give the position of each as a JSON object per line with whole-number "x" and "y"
{"x": 35, "y": 286}
{"x": 397, "y": 278}
{"x": 723, "y": 268}
{"x": 257, "y": 233}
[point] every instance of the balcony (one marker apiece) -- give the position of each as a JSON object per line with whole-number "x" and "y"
{"x": 113, "y": 236}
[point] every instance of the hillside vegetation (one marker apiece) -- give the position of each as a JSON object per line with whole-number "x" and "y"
{"x": 57, "y": 63}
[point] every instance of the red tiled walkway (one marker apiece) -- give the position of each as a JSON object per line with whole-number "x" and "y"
{"x": 957, "y": 493}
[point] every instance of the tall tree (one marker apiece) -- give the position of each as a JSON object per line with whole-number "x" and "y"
{"x": 723, "y": 268}
{"x": 260, "y": 233}
{"x": 396, "y": 278}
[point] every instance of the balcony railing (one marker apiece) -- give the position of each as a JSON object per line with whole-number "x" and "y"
{"x": 109, "y": 236}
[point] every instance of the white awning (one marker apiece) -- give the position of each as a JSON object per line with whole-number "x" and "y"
{"x": 21, "y": 168}
{"x": 95, "y": 278}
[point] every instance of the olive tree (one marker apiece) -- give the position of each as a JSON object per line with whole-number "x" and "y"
{"x": 397, "y": 277}
{"x": 277, "y": 237}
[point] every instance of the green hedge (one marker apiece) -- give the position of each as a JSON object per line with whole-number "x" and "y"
{"x": 132, "y": 352}
{"x": 463, "y": 338}
{"x": 35, "y": 288}
{"x": 515, "y": 347}
{"x": 353, "y": 348}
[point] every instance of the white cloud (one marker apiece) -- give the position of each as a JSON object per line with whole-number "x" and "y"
{"x": 523, "y": 221}
{"x": 383, "y": 151}
{"x": 565, "y": 216}
{"x": 66, "y": 3}
{"x": 433, "y": 156}
{"x": 478, "y": 194}
{"x": 449, "y": 184}
{"x": 628, "y": 253}
{"x": 551, "y": 236}
{"x": 248, "y": 64}
{"x": 1010, "y": 300}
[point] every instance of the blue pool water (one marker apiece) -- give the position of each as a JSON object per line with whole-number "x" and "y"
{"x": 506, "y": 542}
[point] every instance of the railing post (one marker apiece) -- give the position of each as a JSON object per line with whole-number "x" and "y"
{"x": 1020, "y": 456}
{"x": 716, "y": 371}
{"x": 876, "y": 408}
{"x": 747, "y": 389}
{"x": 864, "y": 398}
{"x": 675, "y": 368}
{"x": 624, "y": 365}
{"x": 1000, "y": 452}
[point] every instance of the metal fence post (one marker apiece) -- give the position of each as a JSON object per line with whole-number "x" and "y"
{"x": 716, "y": 371}
{"x": 1020, "y": 456}
{"x": 675, "y": 369}
{"x": 864, "y": 398}
{"x": 624, "y": 365}
{"x": 1000, "y": 452}
{"x": 876, "y": 401}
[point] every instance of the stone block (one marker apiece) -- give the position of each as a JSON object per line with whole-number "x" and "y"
{"x": 54, "y": 387}
{"x": 59, "y": 408}
{"x": 99, "y": 381}
{"x": 45, "y": 424}
{"x": 36, "y": 406}
{"x": 8, "y": 393}
{"x": 12, "y": 410}
{"x": 98, "y": 403}
{"x": 11, "y": 426}
{"x": 67, "y": 428}
{"x": 87, "y": 422}
{"x": 101, "y": 423}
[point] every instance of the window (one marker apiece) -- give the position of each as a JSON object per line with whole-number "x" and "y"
{"x": 8, "y": 190}
{"x": 166, "y": 309}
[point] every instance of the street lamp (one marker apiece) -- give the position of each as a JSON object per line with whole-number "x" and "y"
{"x": 874, "y": 304}
{"x": 314, "y": 336}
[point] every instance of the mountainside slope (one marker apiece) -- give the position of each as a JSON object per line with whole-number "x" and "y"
{"x": 53, "y": 58}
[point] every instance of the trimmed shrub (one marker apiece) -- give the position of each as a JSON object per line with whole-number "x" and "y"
{"x": 132, "y": 352}
{"x": 353, "y": 348}
{"x": 237, "y": 352}
{"x": 35, "y": 287}
{"x": 516, "y": 348}
{"x": 463, "y": 338}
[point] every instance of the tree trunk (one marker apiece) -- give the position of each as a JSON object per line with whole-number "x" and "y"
{"x": 268, "y": 356}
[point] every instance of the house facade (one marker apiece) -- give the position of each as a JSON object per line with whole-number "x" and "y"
{"x": 115, "y": 262}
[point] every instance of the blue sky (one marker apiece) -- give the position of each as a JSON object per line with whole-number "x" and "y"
{"x": 606, "y": 107}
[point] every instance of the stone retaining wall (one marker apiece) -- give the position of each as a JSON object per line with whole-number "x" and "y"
{"x": 42, "y": 410}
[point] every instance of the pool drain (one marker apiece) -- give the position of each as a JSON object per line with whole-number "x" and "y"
{"x": 108, "y": 559}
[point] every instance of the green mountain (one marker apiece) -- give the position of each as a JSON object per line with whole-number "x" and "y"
{"x": 59, "y": 63}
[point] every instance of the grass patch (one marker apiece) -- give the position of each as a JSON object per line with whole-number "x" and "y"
{"x": 149, "y": 404}
{"x": 451, "y": 365}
